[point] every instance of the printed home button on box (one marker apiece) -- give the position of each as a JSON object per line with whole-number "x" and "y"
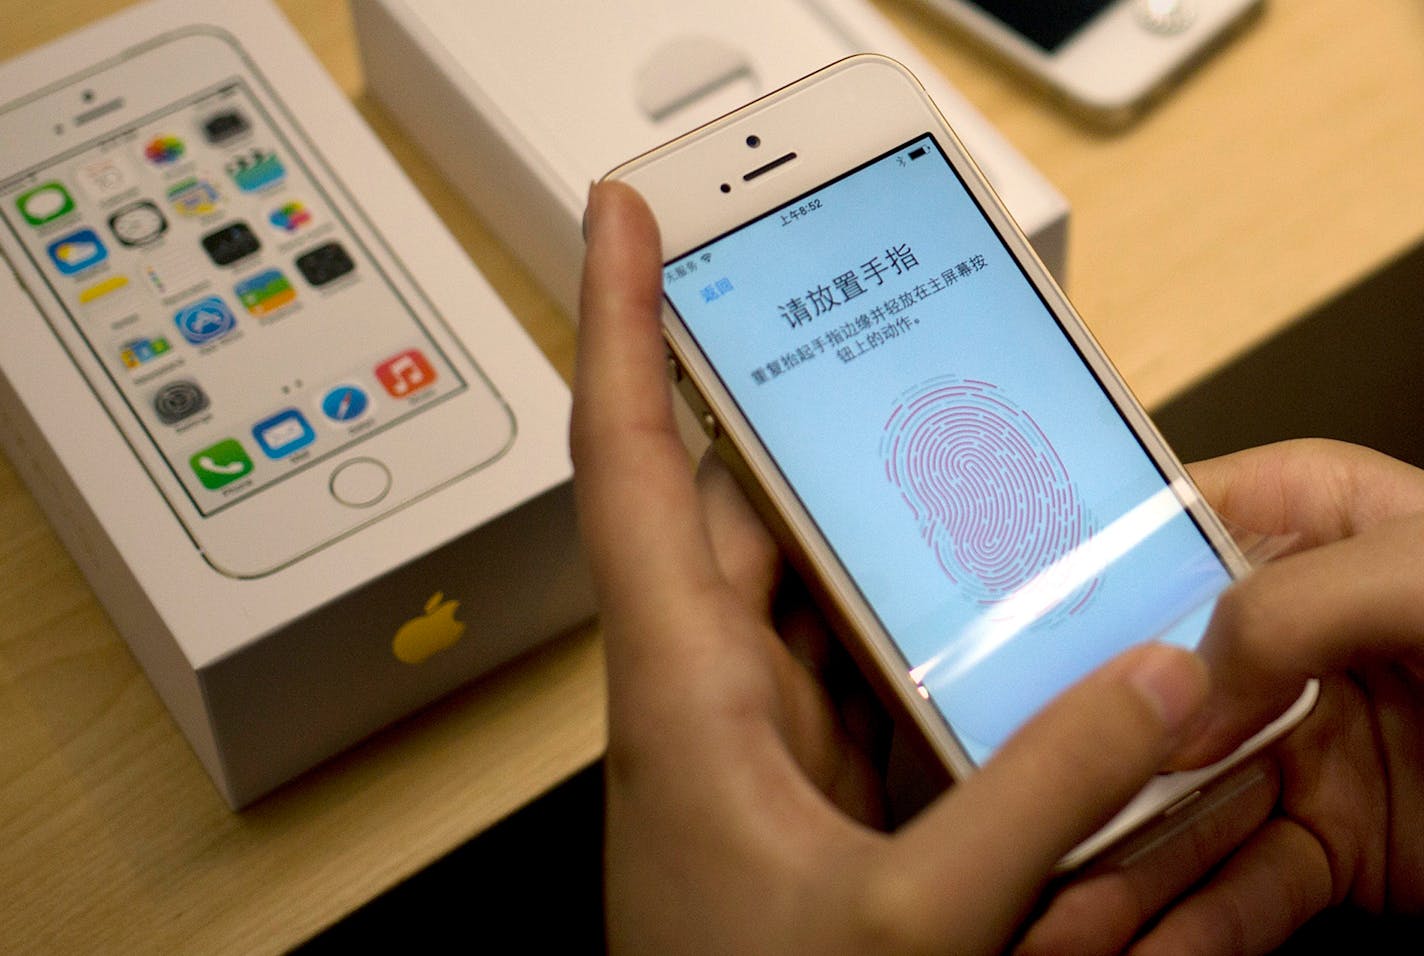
{"x": 360, "y": 483}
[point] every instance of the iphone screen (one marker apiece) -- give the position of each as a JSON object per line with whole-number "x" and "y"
{"x": 952, "y": 446}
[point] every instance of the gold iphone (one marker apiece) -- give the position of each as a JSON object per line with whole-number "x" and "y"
{"x": 956, "y": 468}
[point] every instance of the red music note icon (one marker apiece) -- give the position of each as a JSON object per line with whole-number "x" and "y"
{"x": 405, "y": 373}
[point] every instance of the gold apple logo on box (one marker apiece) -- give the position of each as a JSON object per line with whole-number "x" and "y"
{"x": 422, "y": 637}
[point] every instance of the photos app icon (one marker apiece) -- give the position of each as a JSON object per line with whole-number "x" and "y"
{"x": 164, "y": 150}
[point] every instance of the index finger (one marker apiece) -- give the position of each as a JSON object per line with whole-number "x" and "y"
{"x": 1321, "y": 490}
{"x": 1308, "y": 615}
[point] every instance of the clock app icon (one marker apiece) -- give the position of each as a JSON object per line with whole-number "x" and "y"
{"x": 138, "y": 223}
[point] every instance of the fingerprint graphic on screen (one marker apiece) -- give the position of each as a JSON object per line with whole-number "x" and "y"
{"x": 988, "y": 491}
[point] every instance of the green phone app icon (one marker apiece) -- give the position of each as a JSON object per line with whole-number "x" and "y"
{"x": 221, "y": 464}
{"x": 44, "y": 203}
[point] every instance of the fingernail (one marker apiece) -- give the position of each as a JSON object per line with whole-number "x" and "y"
{"x": 589, "y": 213}
{"x": 1194, "y": 745}
{"x": 1172, "y": 681}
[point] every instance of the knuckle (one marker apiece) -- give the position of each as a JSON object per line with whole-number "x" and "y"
{"x": 623, "y": 763}
{"x": 1214, "y": 926}
{"x": 885, "y": 916}
{"x": 1100, "y": 916}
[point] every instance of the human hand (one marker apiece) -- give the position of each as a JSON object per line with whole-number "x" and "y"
{"x": 740, "y": 815}
{"x": 1347, "y": 605}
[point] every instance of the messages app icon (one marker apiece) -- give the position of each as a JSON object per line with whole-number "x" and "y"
{"x": 44, "y": 203}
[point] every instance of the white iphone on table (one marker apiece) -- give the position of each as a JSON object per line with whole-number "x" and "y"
{"x": 966, "y": 483}
{"x": 1108, "y": 58}
{"x": 267, "y": 357}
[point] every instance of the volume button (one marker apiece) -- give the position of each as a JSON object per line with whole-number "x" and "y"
{"x": 709, "y": 425}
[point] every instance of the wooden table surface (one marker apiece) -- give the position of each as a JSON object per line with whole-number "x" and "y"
{"x": 1285, "y": 172}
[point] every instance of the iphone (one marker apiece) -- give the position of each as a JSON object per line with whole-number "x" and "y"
{"x": 1107, "y": 58}
{"x": 265, "y": 354}
{"x": 969, "y": 487}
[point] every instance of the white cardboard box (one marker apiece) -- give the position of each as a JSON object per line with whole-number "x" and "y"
{"x": 270, "y": 675}
{"x": 522, "y": 105}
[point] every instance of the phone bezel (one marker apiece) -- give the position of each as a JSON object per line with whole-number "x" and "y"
{"x": 298, "y": 514}
{"x": 682, "y": 182}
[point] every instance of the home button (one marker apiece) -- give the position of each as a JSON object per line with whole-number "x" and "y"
{"x": 360, "y": 483}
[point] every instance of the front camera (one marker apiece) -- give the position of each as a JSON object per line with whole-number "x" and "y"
{"x": 753, "y": 141}
{"x": 726, "y": 187}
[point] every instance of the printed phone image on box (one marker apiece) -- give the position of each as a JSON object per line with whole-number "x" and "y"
{"x": 197, "y": 203}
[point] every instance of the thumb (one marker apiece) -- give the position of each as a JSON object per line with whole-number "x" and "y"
{"x": 1057, "y": 780}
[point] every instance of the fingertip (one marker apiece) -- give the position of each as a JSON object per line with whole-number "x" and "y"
{"x": 620, "y": 295}
{"x": 602, "y": 197}
{"x": 1224, "y": 723}
{"x": 1207, "y": 739}
{"x": 1084, "y": 755}
{"x": 599, "y": 194}
{"x": 1172, "y": 681}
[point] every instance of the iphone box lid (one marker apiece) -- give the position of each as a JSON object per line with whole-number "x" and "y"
{"x": 270, "y": 675}
{"x": 523, "y": 109}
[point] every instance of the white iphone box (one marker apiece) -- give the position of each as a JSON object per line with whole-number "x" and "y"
{"x": 311, "y": 465}
{"x": 523, "y": 108}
